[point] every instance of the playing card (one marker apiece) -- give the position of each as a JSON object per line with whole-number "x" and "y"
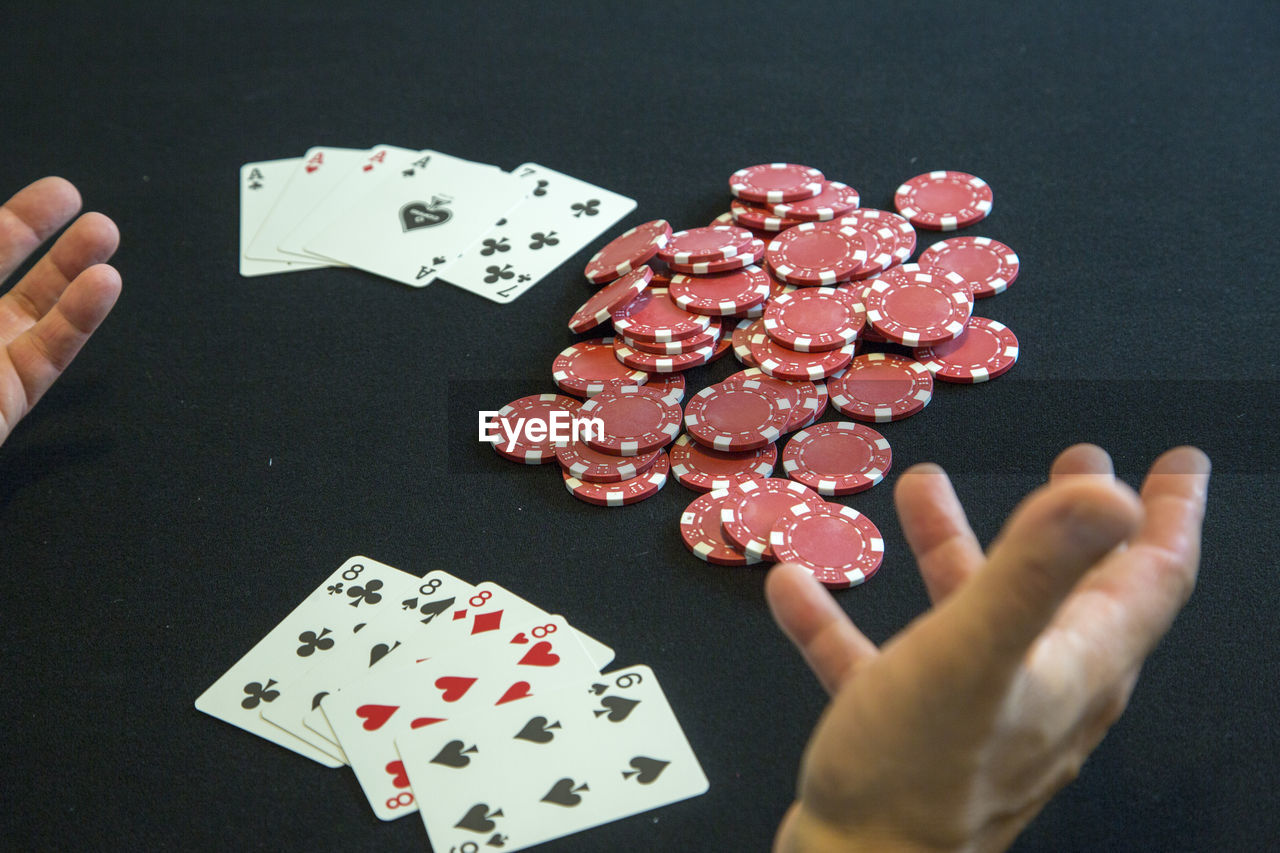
{"x": 368, "y": 715}
{"x": 260, "y": 185}
{"x": 558, "y": 218}
{"x": 421, "y": 218}
{"x": 554, "y": 764}
{"x": 314, "y": 178}
{"x": 399, "y": 635}
{"x": 377, "y": 164}
{"x": 326, "y": 621}
{"x": 473, "y": 621}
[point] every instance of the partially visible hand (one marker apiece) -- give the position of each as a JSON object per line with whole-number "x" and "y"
{"x": 957, "y": 732}
{"x": 49, "y": 314}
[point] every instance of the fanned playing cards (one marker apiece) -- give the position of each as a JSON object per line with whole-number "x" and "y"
{"x": 488, "y": 716}
{"x": 415, "y": 216}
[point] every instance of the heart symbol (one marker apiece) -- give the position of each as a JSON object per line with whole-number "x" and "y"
{"x": 520, "y": 638}
{"x": 540, "y": 655}
{"x": 649, "y": 769}
{"x": 454, "y": 754}
{"x": 368, "y": 167}
{"x": 454, "y": 687}
{"x": 375, "y": 716}
{"x": 415, "y": 214}
{"x": 311, "y": 169}
{"x": 519, "y": 690}
{"x": 398, "y": 777}
{"x": 538, "y": 730}
{"x": 563, "y": 793}
{"x": 477, "y": 818}
{"x": 419, "y": 722}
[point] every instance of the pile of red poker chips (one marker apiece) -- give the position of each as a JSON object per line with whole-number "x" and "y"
{"x": 796, "y": 279}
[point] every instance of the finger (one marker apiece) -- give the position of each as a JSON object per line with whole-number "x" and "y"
{"x": 1147, "y": 584}
{"x": 815, "y": 624}
{"x": 1082, "y": 460}
{"x": 31, "y": 216}
{"x": 936, "y": 529}
{"x": 1055, "y": 537}
{"x": 41, "y": 353}
{"x": 92, "y": 239}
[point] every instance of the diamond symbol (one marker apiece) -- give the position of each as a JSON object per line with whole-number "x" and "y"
{"x": 487, "y": 622}
{"x": 459, "y": 614}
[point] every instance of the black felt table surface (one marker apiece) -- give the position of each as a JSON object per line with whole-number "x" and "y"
{"x": 222, "y": 444}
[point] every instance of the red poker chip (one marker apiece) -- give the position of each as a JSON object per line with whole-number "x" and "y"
{"x": 702, "y": 469}
{"x": 703, "y": 535}
{"x": 944, "y": 201}
{"x": 589, "y": 367}
{"x": 622, "y": 493}
{"x": 666, "y": 385}
{"x": 753, "y": 507}
{"x": 776, "y": 360}
{"x": 652, "y": 316}
{"x": 916, "y": 308}
{"x": 741, "y": 339}
{"x": 835, "y": 199}
{"x": 816, "y": 253}
{"x": 721, "y": 294}
{"x": 984, "y": 350}
{"x": 815, "y": 319}
{"x": 608, "y": 299}
{"x": 591, "y": 466}
{"x": 540, "y": 412}
{"x": 724, "y": 344}
{"x": 750, "y": 254}
{"x": 807, "y": 399}
{"x": 988, "y": 266}
{"x": 628, "y": 251}
{"x": 838, "y": 544}
{"x": 837, "y": 457}
{"x": 880, "y": 387}
{"x": 879, "y": 245}
{"x": 630, "y": 423}
{"x": 743, "y": 416}
{"x": 772, "y": 183}
{"x": 759, "y": 218}
{"x": 653, "y": 363}
{"x": 708, "y": 243}
{"x": 706, "y": 339}
{"x": 870, "y": 219}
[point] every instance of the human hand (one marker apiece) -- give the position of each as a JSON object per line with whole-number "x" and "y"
{"x": 49, "y": 314}
{"x": 958, "y": 731}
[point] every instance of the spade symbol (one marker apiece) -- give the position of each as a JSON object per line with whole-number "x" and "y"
{"x": 599, "y": 688}
{"x": 646, "y": 769}
{"x": 454, "y": 754}
{"x": 563, "y": 793}
{"x": 380, "y": 651}
{"x": 496, "y": 840}
{"x": 617, "y": 707}
{"x": 477, "y": 818}
{"x": 432, "y": 609}
{"x": 537, "y": 730}
{"x": 417, "y": 214}
{"x": 316, "y": 699}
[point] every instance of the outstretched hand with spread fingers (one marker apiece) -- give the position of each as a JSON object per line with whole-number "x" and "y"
{"x": 47, "y": 316}
{"x": 956, "y": 732}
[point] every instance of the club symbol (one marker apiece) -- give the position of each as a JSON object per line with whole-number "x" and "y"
{"x": 541, "y": 189}
{"x": 590, "y": 207}
{"x": 335, "y": 588}
{"x": 538, "y": 240}
{"x": 496, "y": 273}
{"x": 368, "y": 593}
{"x": 491, "y": 245}
{"x": 524, "y": 277}
{"x": 312, "y": 642}
{"x": 256, "y": 693}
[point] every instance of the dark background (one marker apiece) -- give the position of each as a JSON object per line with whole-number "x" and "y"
{"x": 223, "y": 444}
